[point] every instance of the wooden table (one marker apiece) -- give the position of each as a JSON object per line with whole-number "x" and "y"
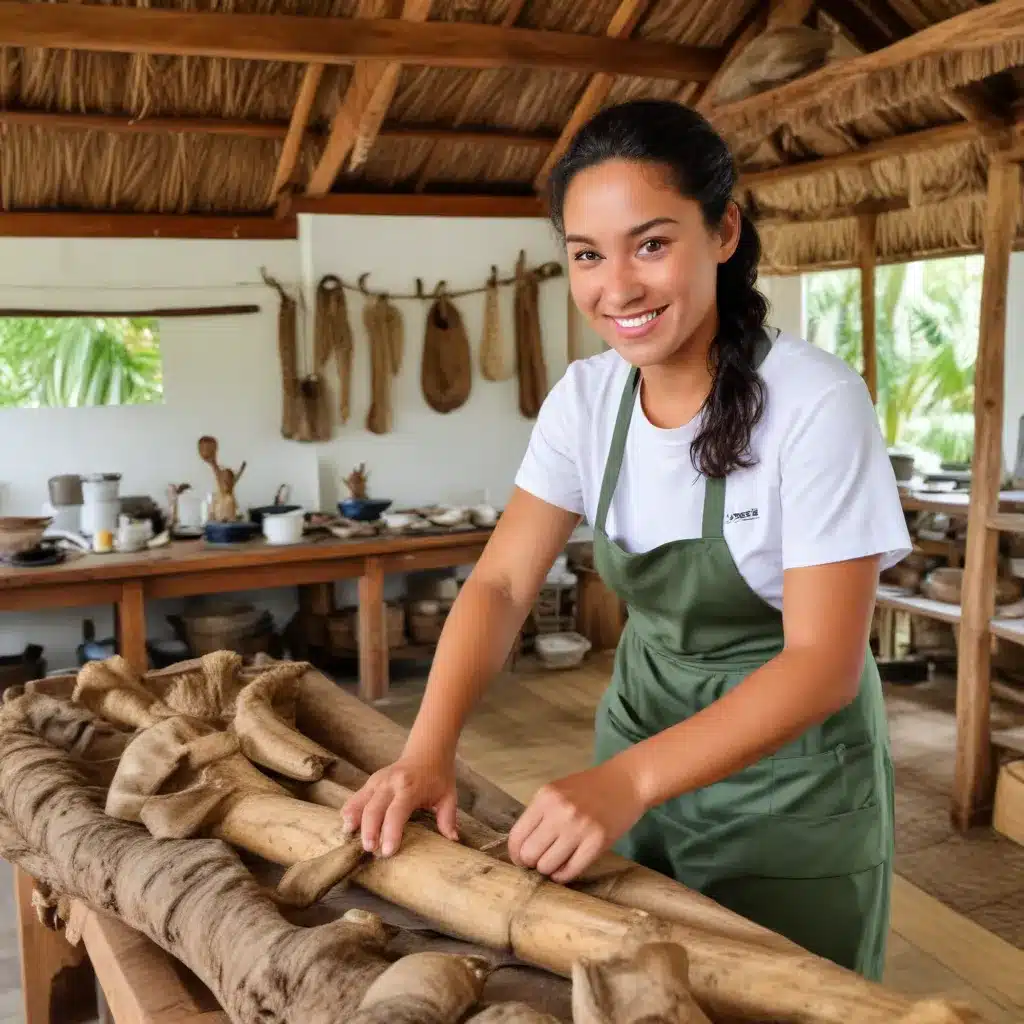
{"x": 192, "y": 568}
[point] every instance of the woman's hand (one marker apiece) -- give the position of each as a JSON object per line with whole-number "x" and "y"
{"x": 388, "y": 798}
{"x": 571, "y": 822}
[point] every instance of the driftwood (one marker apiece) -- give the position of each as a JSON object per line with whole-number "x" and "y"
{"x": 211, "y": 752}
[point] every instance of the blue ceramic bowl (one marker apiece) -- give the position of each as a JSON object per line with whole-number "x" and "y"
{"x": 365, "y": 509}
{"x": 230, "y": 533}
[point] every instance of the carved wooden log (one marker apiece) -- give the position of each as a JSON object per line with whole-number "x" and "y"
{"x": 467, "y": 893}
{"x": 194, "y": 898}
{"x": 357, "y": 733}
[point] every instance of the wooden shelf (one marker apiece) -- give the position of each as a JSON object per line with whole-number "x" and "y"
{"x": 1008, "y": 629}
{"x": 918, "y": 605}
{"x": 953, "y": 503}
{"x": 1007, "y": 522}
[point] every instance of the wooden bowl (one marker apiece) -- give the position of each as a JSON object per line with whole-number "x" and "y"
{"x": 21, "y": 533}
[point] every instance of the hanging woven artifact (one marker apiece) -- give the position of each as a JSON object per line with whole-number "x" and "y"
{"x": 334, "y": 337}
{"x": 288, "y": 354}
{"x": 383, "y": 326}
{"x": 533, "y": 376}
{"x": 493, "y": 365}
{"x": 447, "y": 368}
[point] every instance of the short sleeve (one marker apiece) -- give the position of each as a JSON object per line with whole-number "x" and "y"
{"x": 838, "y": 490}
{"x": 550, "y": 468}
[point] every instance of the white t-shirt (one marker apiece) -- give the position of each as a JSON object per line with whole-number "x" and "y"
{"x": 821, "y": 490}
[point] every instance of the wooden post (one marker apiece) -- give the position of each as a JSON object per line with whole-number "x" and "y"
{"x": 866, "y": 255}
{"x": 973, "y": 781}
{"x": 131, "y": 625}
{"x": 57, "y": 980}
{"x": 373, "y": 639}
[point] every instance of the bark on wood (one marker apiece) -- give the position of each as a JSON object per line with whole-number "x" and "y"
{"x": 183, "y": 775}
{"x": 511, "y": 1013}
{"x": 194, "y": 898}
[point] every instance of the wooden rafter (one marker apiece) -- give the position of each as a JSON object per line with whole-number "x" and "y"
{"x": 624, "y": 20}
{"x": 296, "y": 128}
{"x": 45, "y": 224}
{"x": 365, "y": 103}
{"x": 860, "y": 211}
{"x": 482, "y": 83}
{"x": 124, "y": 124}
{"x": 906, "y": 144}
{"x": 306, "y": 39}
{"x": 418, "y": 204}
{"x": 995, "y": 24}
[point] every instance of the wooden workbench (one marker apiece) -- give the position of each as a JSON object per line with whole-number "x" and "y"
{"x": 193, "y": 568}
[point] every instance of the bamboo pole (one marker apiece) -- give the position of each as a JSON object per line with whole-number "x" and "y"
{"x": 973, "y": 779}
{"x": 866, "y": 226}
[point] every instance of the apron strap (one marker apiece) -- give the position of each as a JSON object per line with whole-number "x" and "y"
{"x": 713, "y": 517}
{"x": 618, "y": 447}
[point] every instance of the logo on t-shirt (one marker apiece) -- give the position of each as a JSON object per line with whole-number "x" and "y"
{"x": 733, "y": 517}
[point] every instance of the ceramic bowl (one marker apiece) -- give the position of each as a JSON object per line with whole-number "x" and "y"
{"x": 21, "y": 533}
{"x": 230, "y": 533}
{"x": 363, "y": 509}
{"x": 284, "y": 527}
{"x": 256, "y": 514}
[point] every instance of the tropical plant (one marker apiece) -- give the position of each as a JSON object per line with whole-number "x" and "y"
{"x": 66, "y": 361}
{"x": 926, "y": 334}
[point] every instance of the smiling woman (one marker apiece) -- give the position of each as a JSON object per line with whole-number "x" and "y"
{"x": 743, "y": 504}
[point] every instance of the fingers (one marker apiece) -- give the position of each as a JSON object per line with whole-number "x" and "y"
{"x": 403, "y": 803}
{"x": 352, "y": 812}
{"x": 373, "y": 816}
{"x": 445, "y": 813}
{"x": 582, "y": 857}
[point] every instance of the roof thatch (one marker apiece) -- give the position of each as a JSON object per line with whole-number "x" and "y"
{"x": 108, "y": 107}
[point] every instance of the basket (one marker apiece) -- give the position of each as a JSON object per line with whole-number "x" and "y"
{"x": 343, "y": 629}
{"x": 425, "y": 628}
{"x": 228, "y": 627}
{"x": 561, "y": 650}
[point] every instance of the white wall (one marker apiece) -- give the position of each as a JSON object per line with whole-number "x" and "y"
{"x": 475, "y": 450}
{"x": 222, "y": 377}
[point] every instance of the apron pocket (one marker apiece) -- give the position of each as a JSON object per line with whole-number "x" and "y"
{"x": 834, "y": 782}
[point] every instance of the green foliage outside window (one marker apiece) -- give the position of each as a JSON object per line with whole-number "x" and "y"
{"x": 926, "y": 332}
{"x": 86, "y": 361}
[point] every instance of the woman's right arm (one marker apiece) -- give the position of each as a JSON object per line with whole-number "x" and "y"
{"x": 474, "y": 644}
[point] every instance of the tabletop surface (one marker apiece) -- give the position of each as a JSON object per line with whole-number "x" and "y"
{"x": 199, "y": 556}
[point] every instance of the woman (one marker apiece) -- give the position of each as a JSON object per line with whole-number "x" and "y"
{"x": 743, "y": 503}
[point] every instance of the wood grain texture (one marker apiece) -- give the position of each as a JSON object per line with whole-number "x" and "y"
{"x": 307, "y": 39}
{"x": 973, "y": 783}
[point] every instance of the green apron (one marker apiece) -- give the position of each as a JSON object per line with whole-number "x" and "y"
{"x": 801, "y": 841}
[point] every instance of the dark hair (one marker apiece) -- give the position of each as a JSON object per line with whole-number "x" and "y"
{"x": 699, "y": 161}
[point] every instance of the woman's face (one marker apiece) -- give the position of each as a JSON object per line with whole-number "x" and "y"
{"x": 642, "y": 263}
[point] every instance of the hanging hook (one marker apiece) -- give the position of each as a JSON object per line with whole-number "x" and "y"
{"x": 419, "y": 288}
{"x": 362, "y": 283}
{"x": 493, "y": 279}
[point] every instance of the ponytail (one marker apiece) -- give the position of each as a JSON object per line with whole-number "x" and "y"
{"x": 736, "y": 401}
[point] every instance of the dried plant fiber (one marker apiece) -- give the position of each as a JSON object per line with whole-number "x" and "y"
{"x": 447, "y": 367}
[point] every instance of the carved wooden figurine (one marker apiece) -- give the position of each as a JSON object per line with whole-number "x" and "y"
{"x": 356, "y": 481}
{"x": 225, "y": 507}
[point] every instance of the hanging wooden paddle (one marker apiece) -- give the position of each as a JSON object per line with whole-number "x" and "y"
{"x": 530, "y": 365}
{"x": 447, "y": 368}
{"x": 493, "y": 365}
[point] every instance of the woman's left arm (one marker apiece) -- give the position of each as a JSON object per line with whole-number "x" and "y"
{"x": 826, "y": 618}
{"x": 826, "y": 612}
{"x": 841, "y": 522}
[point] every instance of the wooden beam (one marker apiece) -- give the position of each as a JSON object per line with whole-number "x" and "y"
{"x": 296, "y": 128}
{"x": 992, "y": 25}
{"x": 483, "y": 81}
{"x": 307, "y": 39}
{"x": 624, "y": 20}
{"x": 57, "y": 224}
{"x": 973, "y": 779}
{"x": 867, "y": 256}
{"x": 124, "y": 124}
{"x": 907, "y": 144}
{"x": 419, "y": 204}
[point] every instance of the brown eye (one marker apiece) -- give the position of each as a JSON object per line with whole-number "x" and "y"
{"x": 652, "y": 245}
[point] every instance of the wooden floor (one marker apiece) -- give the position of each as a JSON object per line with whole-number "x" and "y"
{"x": 533, "y": 726}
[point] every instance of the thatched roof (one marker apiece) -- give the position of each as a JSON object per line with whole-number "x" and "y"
{"x": 223, "y": 107}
